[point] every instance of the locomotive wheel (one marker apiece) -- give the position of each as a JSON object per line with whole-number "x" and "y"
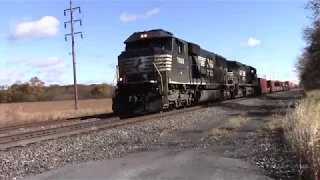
{"x": 244, "y": 92}
{"x": 231, "y": 95}
{"x": 224, "y": 95}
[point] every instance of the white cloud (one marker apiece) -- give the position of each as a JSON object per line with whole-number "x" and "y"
{"x": 54, "y": 77}
{"x": 251, "y": 42}
{"x": 50, "y": 69}
{"x": 37, "y": 63}
{"x": 96, "y": 81}
{"x": 56, "y": 67}
{"x": 153, "y": 12}
{"x": 46, "y": 26}
{"x": 47, "y": 64}
{"x": 127, "y": 16}
{"x": 8, "y": 77}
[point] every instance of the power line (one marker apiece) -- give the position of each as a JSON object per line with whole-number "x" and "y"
{"x": 72, "y": 21}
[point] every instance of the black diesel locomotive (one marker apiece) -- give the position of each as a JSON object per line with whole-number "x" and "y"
{"x": 159, "y": 71}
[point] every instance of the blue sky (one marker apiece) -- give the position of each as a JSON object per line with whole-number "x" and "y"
{"x": 32, "y": 35}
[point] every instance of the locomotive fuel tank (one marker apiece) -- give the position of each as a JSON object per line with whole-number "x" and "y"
{"x": 209, "y": 96}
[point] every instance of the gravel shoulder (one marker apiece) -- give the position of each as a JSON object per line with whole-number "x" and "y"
{"x": 185, "y": 137}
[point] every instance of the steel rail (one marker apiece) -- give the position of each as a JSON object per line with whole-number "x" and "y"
{"x": 36, "y": 136}
{"x": 52, "y": 122}
{"x": 24, "y": 139}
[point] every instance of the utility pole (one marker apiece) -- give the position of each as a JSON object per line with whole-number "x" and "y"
{"x": 72, "y": 21}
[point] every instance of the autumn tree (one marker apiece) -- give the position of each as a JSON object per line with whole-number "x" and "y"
{"x": 308, "y": 63}
{"x": 17, "y": 92}
{"x": 35, "y": 90}
{"x": 3, "y": 94}
{"x": 36, "y": 85}
{"x": 101, "y": 91}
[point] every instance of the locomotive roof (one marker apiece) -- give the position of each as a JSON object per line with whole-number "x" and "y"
{"x": 155, "y": 33}
{"x": 221, "y": 61}
{"x": 235, "y": 63}
{"x": 206, "y": 53}
{"x": 252, "y": 68}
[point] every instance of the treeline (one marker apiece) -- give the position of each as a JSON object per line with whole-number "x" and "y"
{"x": 308, "y": 64}
{"x": 36, "y": 90}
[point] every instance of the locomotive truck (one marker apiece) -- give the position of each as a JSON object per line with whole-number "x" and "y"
{"x": 159, "y": 71}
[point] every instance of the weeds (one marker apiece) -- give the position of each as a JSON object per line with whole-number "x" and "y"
{"x": 302, "y": 130}
{"x": 231, "y": 124}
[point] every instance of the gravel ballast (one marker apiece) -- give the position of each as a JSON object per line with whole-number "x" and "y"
{"x": 166, "y": 131}
{"x": 111, "y": 143}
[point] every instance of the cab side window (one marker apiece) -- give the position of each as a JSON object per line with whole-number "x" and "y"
{"x": 180, "y": 47}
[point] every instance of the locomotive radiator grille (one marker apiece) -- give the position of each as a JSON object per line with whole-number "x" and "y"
{"x": 144, "y": 64}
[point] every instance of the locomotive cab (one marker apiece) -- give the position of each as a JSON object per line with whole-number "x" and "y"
{"x": 142, "y": 72}
{"x": 146, "y": 55}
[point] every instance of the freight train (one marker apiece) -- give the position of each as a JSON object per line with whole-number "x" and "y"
{"x": 158, "y": 71}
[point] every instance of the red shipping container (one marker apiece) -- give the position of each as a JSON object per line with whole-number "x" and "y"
{"x": 291, "y": 85}
{"x": 263, "y": 86}
{"x": 277, "y": 86}
{"x": 262, "y": 83}
{"x": 285, "y": 87}
{"x": 265, "y": 90}
{"x": 286, "y": 83}
{"x": 272, "y": 86}
{"x": 281, "y": 86}
{"x": 272, "y": 83}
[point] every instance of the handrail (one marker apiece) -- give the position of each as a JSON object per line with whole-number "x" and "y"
{"x": 116, "y": 76}
{"x": 159, "y": 75}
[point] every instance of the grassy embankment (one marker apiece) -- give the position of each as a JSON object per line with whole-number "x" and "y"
{"x": 301, "y": 128}
{"x": 25, "y": 113}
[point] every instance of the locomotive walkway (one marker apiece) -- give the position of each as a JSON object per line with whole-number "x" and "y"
{"x": 239, "y": 155}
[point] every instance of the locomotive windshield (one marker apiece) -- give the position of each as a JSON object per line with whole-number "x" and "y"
{"x": 163, "y": 43}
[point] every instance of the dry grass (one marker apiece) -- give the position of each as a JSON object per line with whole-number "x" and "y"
{"x": 302, "y": 131}
{"x": 24, "y": 113}
{"x": 234, "y": 122}
{"x": 231, "y": 124}
{"x": 274, "y": 124}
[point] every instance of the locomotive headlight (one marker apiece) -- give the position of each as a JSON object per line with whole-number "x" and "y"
{"x": 143, "y": 35}
{"x": 120, "y": 79}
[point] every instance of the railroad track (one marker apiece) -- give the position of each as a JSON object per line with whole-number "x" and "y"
{"x": 4, "y": 130}
{"x": 24, "y": 139}
{"x": 36, "y": 136}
